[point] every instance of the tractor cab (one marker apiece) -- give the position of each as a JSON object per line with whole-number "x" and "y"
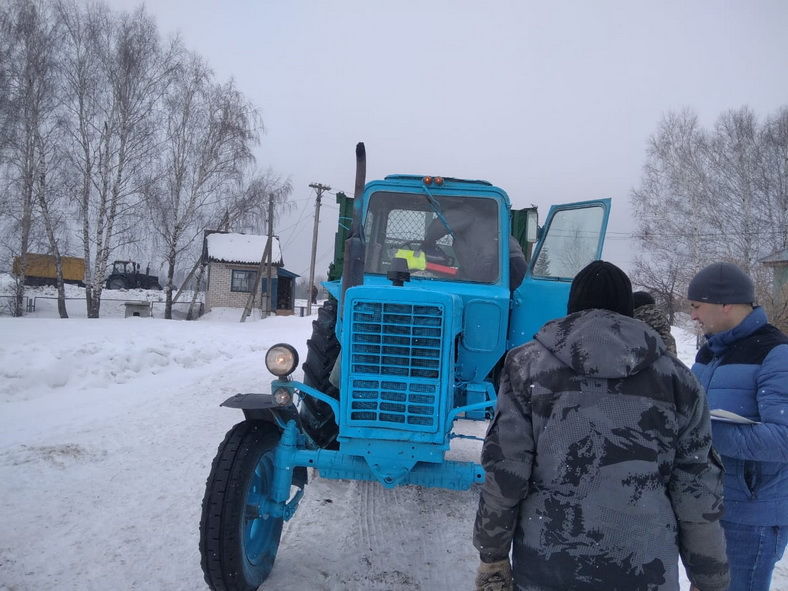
{"x": 125, "y": 268}
{"x": 442, "y": 237}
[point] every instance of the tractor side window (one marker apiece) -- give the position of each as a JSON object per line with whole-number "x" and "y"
{"x": 570, "y": 244}
{"x": 453, "y": 238}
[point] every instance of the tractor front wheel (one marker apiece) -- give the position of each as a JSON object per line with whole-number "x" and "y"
{"x": 238, "y": 540}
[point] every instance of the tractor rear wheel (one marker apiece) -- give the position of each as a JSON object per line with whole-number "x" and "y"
{"x": 317, "y": 418}
{"x": 238, "y": 543}
{"x": 116, "y": 283}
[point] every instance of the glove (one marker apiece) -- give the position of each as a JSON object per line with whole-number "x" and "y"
{"x": 494, "y": 576}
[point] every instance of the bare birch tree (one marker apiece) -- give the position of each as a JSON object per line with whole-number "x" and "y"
{"x": 246, "y": 207}
{"x": 772, "y": 180}
{"x": 710, "y": 195}
{"x": 47, "y": 201}
{"x": 84, "y": 90}
{"x": 30, "y": 102}
{"x": 6, "y": 118}
{"x": 118, "y": 75}
{"x": 210, "y": 130}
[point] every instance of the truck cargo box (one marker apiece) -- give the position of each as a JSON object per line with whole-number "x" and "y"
{"x": 41, "y": 269}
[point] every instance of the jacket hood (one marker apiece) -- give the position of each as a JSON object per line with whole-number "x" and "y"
{"x": 601, "y": 343}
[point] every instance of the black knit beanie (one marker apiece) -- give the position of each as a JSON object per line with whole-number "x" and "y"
{"x": 642, "y": 298}
{"x": 601, "y": 285}
{"x": 721, "y": 283}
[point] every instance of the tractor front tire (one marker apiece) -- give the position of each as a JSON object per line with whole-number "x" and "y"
{"x": 238, "y": 545}
{"x": 317, "y": 418}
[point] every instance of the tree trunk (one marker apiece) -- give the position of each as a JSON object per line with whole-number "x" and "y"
{"x": 18, "y": 308}
{"x": 61, "y": 295}
{"x": 43, "y": 203}
{"x": 95, "y": 305}
{"x": 24, "y": 241}
{"x": 168, "y": 288}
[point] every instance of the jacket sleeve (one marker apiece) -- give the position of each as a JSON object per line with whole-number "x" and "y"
{"x": 695, "y": 492}
{"x": 507, "y": 456}
{"x": 768, "y": 440}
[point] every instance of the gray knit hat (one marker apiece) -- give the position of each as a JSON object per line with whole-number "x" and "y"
{"x": 721, "y": 283}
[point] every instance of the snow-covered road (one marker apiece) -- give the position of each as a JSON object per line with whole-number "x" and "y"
{"x": 107, "y": 431}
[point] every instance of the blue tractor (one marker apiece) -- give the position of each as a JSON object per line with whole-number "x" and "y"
{"x": 421, "y": 315}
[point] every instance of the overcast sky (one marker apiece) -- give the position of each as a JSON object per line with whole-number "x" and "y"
{"x": 552, "y": 101}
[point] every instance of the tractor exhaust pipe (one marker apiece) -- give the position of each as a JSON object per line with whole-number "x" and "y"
{"x": 353, "y": 268}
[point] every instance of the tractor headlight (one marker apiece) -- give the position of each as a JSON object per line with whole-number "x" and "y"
{"x": 282, "y": 396}
{"x": 281, "y": 360}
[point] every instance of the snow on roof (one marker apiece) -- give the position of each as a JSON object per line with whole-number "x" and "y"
{"x": 241, "y": 248}
{"x": 776, "y": 257}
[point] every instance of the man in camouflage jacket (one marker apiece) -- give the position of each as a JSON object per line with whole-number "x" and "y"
{"x": 600, "y": 471}
{"x": 646, "y": 311}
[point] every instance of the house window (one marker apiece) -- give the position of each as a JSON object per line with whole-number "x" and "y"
{"x": 242, "y": 281}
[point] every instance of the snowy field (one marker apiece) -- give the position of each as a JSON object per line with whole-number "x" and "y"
{"x": 107, "y": 432}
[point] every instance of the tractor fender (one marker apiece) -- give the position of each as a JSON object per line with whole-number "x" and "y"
{"x": 262, "y": 407}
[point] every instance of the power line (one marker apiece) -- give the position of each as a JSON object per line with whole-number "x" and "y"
{"x": 294, "y": 227}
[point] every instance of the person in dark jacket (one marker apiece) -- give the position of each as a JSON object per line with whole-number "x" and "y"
{"x": 599, "y": 466}
{"x": 744, "y": 368}
{"x": 646, "y": 311}
{"x": 473, "y": 224}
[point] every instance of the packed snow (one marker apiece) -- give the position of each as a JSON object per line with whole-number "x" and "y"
{"x": 107, "y": 432}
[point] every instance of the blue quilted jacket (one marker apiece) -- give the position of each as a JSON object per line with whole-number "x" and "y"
{"x": 745, "y": 370}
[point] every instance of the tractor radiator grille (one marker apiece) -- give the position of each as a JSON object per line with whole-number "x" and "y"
{"x": 395, "y": 365}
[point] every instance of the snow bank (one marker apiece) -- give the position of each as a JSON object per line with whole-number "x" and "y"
{"x": 40, "y": 356}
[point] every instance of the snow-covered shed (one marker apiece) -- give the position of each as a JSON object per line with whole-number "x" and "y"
{"x": 233, "y": 260}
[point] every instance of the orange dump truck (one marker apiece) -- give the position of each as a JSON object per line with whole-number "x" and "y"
{"x": 41, "y": 269}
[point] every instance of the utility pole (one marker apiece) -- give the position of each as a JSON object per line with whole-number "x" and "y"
{"x": 319, "y": 188}
{"x": 267, "y": 307}
{"x": 267, "y": 258}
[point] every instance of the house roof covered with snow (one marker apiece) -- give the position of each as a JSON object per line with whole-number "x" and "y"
{"x": 247, "y": 249}
{"x": 781, "y": 256}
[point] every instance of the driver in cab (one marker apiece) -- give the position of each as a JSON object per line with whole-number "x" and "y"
{"x": 474, "y": 229}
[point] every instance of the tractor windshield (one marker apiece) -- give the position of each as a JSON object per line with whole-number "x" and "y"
{"x": 407, "y": 225}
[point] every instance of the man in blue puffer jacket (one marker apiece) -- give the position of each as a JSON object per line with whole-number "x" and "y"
{"x": 744, "y": 368}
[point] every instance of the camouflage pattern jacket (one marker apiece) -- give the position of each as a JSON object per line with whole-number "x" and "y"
{"x": 599, "y": 464}
{"x": 657, "y": 320}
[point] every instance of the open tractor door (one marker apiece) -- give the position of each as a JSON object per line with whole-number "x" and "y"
{"x": 572, "y": 236}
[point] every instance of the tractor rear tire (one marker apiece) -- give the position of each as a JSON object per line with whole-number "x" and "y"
{"x": 237, "y": 544}
{"x": 317, "y": 418}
